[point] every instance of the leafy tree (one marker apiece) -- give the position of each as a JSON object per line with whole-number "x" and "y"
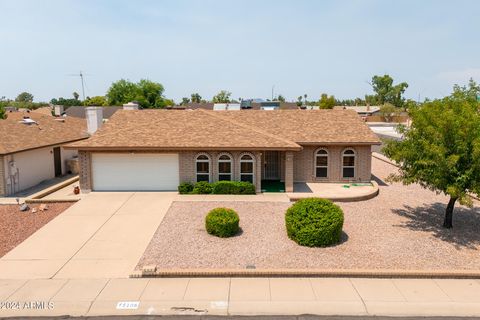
{"x": 147, "y": 93}
{"x": 222, "y": 97}
{"x": 300, "y": 101}
{"x": 385, "y": 91}
{"x": 195, "y": 98}
{"x": 280, "y": 98}
{"x": 185, "y": 101}
{"x": 24, "y": 97}
{"x": 3, "y": 104}
{"x": 76, "y": 95}
{"x": 388, "y": 111}
{"x": 326, "y": 101}
{"x": 66, "y": 102}
{"x": 96, "y": 101}
{"x": 441, "y": 149}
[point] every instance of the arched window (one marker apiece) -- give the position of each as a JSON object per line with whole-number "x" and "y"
{"x": 321, "y": 163}
{"x": 202, "y": 167}
{"x": 348, "y": 163}
{"x": 224, "y": 167}
{"x": 247, "y": 168}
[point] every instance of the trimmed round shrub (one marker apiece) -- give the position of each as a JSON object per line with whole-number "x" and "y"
{"x": 222, "y": 222}
{"x": 314, "y": 222}
{"x": 185, "y": 188}
{"x": 202, "y": 187}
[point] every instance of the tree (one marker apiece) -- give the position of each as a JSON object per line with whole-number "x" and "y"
{"x": 299, "y": 101}
{"x": 76, "y": 95}
{"x": 96, "y": 101}
{"x": 280, "y": 98}
{"x": 441, "y": 149}
{"x": 185, "y": 101}
{"x": 196, "y": 98}
{"x": 222, "y": 97}
{"x": 3, "y": 104}
{"x": 326, "y": 101}
{"x": 66, "y": 102}
{"x": 146, "y": 93}
{"x": 24, "y": 97}
{"x": 385, "y": 91}
{"x": 387, "y": 111}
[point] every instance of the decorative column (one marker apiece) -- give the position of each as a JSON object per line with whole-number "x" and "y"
{"x": 85, "y": 174}
{"x": 258, "y": 172}
{"x": 288, "y": 171}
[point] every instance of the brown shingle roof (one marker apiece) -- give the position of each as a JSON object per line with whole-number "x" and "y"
{"x": 16, "y": 136}
{"x": 189, "y": 129}
{"x": 309, "y": 126}
{"x": 245, "y": 129}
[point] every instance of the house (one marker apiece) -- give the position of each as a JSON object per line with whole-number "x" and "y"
{"x": 159, "y": 149}
{"x": 31, "y": 148}
{"x": 243, "y": 105}
{"x": 362, "y": 111}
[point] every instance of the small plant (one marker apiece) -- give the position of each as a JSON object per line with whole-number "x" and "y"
{"x": 185, "y": 188}
{"x": 222, "y": 222}
{"x": 314, "y": 222}
{"x": 202, "y": 187}
{"x": 233, "y": 187}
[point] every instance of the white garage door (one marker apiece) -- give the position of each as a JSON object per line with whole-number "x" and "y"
{"x": 134, "y": 171}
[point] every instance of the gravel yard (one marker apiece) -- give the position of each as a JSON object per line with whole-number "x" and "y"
{"x": 17, "y": 226}
{"x": 399, "y": 229}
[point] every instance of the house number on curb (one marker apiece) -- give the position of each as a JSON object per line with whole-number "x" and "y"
{"x": 128, "y": 305}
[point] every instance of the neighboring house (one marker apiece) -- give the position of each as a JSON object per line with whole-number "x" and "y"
{"x": 79, "y": 111}
{"x": 244, "y": 105}
{"x": 31, "y": 148}
{"x": 159, "y": 149}
{"x": 362, "y": 111}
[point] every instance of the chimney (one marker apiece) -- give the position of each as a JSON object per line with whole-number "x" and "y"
{"x": 58, "y": 110}
{"x": 94, "y": 117}
{"x": 130, "y": 106}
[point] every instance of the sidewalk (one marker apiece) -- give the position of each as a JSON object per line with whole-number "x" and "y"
{"x": 244, "y": 296}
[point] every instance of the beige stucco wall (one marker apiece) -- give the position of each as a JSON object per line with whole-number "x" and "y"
{"x": 304, "y": 164}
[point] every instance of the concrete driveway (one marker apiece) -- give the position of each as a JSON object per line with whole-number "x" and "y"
{"x": 102, "y": 236}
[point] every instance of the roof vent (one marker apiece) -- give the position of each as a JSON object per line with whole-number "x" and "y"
{"x": 27, "y": 120}
{"x": 130, "y": 106}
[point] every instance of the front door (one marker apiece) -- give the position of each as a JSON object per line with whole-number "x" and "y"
{"x": 57, "y": 161}
{"x": 271, "y": 165}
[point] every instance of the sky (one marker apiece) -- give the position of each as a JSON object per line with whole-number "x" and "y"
{"x": 242, "y": 46}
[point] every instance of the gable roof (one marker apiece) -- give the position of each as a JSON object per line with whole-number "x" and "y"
{"x": 46, "y": 131}
{"x": 244, "y": 129}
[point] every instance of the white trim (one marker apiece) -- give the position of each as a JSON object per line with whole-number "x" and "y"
{"x": 209, "y": 161}
{"x": 247, "y": 161}
{"x": 354, "y": 163}
{"x": 225, "y": 161}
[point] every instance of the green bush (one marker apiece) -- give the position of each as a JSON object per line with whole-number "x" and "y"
{"x": 202, "y": 187}
{"x": 233, "y": 187}
{"x": 222, "y": 222}
{"x": 220, "y": 187}
{"x": 314, "y": 222}
{"x": 185, "y": 188}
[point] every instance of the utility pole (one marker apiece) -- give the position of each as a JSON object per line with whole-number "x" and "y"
{"x": 273, "y": 88}
{"x": 83, "y": 86}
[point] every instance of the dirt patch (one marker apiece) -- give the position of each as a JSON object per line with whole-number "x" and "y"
{"x": 399, "y": 229}
{"x": 17, "y": 226}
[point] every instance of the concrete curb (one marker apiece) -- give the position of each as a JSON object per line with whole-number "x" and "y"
{"x": 54, "y": 188}
{"x": 326, "y": 273}
{"x": 364, "y": 197}
{"x": 51, "y": 200}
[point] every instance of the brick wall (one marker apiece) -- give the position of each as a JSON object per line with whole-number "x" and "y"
{"x": 187, "y": 165}
{"x": 304, "y": 164}
{"x": 3, "y": 190}
{"x": 84, "y": 159}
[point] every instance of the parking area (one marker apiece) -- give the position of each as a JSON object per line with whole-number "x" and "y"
{"x": 101, "y": 236}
